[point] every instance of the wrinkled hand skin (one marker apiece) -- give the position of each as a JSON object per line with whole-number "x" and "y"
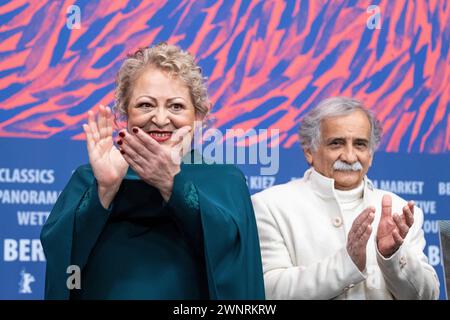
{"x": 156, "y": 164}
{"x": 358, "y": 236}
{"x": 108, "y": 165}
{"x": 393, "y": 228}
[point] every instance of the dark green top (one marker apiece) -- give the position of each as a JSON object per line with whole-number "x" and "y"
{"x": 202, "y": 244}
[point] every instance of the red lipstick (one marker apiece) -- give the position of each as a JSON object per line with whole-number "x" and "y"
{"x": 160, "y": 136}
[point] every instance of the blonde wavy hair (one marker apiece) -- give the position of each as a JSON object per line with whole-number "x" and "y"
{"x": 166, "y": 57}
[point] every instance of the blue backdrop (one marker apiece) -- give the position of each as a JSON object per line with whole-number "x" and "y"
{"x": 268, "y": 62}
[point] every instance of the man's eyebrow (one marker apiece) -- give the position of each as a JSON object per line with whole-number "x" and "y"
{"x": 334, "y": 138}
{"x": 340, "y": 139}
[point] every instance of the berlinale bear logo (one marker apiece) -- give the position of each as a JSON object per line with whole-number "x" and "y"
{"x": 25, "y": 280}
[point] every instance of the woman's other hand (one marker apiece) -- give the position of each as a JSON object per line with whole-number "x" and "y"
{"x": 156, "y": 164}
{"x": 107, "y": 163}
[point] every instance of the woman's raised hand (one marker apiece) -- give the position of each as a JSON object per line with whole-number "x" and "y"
{"x": 107, "y": 162}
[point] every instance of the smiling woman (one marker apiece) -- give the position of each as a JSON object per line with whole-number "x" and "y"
{"x": 140, "y": 221}
{"x": 160, "y": 104}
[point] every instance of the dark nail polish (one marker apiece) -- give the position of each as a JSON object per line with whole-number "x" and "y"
{"x": 122, "y": 152}
{"x": 119, "y": 142}
{"x": 122, "y": 134}
{"x": 135, "y": 130}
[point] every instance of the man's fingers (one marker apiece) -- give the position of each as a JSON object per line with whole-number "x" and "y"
{"x": 356, "y": 247}
{"x": 366, "y": 235}
{"x": 401, "y": 225}
{"x": 365, "y": 225}
{"x": 361, "y": 223}
{"x": 408, "y": 213}
{"x": 397, "y": 238}
{"x": 364, "y": 215}
{"x": 386, "y": 206}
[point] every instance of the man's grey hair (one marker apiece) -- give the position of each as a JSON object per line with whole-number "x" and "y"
{"x": 310, "y": 126}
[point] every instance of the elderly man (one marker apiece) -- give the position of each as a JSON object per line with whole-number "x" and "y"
{"x": 331, "y": 234}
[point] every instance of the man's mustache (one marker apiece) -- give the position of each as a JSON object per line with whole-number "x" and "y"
{"x": 343, "y": 166}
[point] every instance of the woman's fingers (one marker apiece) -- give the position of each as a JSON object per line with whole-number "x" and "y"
{"x": 99, "y": 130}
{"x": 181, "y": 136}
{"x": 103, "y": 122}
{"x": 182, "y": 143}
{"x": 109, "y": 122}
{"x": 100, "y": 126}
{"x": 93, "y": 126}
{"x": 89, "y": 138}
{"x": 136, "y": 145}
{"x": 145, "y": 140}
{"x": 132, "y": 157}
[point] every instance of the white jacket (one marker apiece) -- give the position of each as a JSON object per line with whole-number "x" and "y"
{"x": 303, "y": 238}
